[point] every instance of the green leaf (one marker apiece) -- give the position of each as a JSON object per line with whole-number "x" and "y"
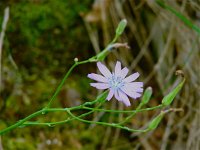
{"x": 147, "y": 95}
{"x": 167, "y": 100}
{"x": 121, "y": 27}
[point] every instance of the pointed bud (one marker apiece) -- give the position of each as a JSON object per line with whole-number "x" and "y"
{"x": 147, "y": 95}
{"x": 121, "y": 27}
{"x": 167, "y": 100}
{"x": 155, "y": 122}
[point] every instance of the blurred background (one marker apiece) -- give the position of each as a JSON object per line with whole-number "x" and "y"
{"x": 42, "y": 38}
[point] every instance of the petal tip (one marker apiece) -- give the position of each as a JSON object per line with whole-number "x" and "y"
{"x": 89, "y": 75}
{"x": 127, "y": 104}
{"x": 99, "y": 63}
{"x": 108, "y": 99}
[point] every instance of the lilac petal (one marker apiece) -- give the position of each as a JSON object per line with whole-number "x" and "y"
{"x": 97, "y": 77}
{"x": 134, "y": 86}
{"x": 124, "y": 98}
{"x": 117, "y": 96}
{"x": 104, "y": 70}
{"x": 124, "y": 72}
{"x": 132, "y": 77}
{"x": 110, "y": 94}
{"x": 130, "y": 93}
{"x": 100, "y": 85}
{"x": 118, "y": 68}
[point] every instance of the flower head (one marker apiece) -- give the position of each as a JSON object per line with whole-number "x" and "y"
{"x": 118, "y": 84}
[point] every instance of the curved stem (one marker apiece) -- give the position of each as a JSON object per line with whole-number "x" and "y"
{"x": 65, "y": 109}
{"x": 106, "y": 124}
{"x": 123, "y": 111}
{"x": 63, "y": 81}
{"x": 45, "y": 110}
{"x": 21, "y": 122}
{"x": 55, "y": 94}
{"x": 138, "y": 109}
{"x": 92, "y": 59}
{"x": 83, "y": 106}
{"x": 133, "y": 114}
{"x": 51, "y": 124}
{"x": 60, "y": 85}
{"x": 85, "y": 114}
{"x": 35, "y": 114}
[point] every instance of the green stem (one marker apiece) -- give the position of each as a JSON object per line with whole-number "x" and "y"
{"x": 67, "y": 120}
{"x": 35, "y": 114}
{"x": 85, "y": 114}
{"x": 106, "y": 124}
{"x": 51, "y": 124}
{"x": 114, "y": 39}
{"x": 44, "y": 111}
{"x": 138, "y": 109}
{"x": 92, "y": 59}
{"x": 123, "y": 111}
{"x": 21, "y": 122}
{"x": 83, "y": 106}
{"x": 63, "y": 81}
{"x": 133, "y": 114}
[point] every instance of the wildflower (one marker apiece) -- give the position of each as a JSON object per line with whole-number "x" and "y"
{"x": 118, "y": 84}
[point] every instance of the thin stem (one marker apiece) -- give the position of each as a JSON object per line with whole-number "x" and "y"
{"x": 92, "y": 59}
{"x": 47, "y": 108}
{"x": 64, "y": 121}
{"x": 37, "y": 113}
{"x": 43, "y": 111}
{"x": 83, "y": 106}
{"x": 63, "y": 81}
{"x": 21, "y": 122}
{"x": 138, "y": 109}
{"x": 85, "y": 114}
{"x": 133, "y": 114}
{"x": 51, "y": 124}
{"x": 115, "y": 39}
{"x": 123, "y": 111}
{"x": 106, "y": 124}
{"x": 60, "y": 85}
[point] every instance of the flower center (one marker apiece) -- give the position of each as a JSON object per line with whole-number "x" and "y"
{"x": 115, "y": 82}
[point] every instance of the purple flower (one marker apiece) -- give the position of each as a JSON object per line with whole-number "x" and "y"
{"x": 119, "y": 86}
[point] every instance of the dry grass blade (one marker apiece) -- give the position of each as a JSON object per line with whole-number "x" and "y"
{"x": 2, "y": 34}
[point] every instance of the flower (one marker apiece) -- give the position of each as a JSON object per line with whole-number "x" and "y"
{"x": 119, "y": 86}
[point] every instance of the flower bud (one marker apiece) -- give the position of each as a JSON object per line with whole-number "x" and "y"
{"x": 121, "y": 27}
{"x": 167, "y": 100}
{"x": 76, "y": 59}
{"x": 155, "y": 122}
{"x": 147, "y": 95}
